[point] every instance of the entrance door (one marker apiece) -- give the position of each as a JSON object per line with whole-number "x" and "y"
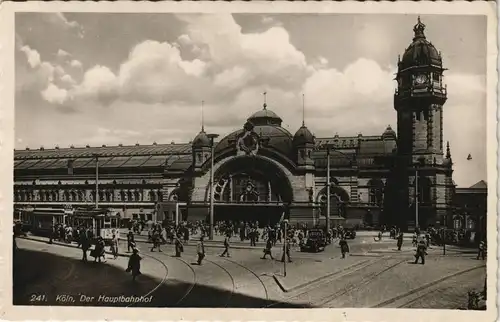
{"x": 263, "y": 214}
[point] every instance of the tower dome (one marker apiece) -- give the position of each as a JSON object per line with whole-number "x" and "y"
{"x": 389, "y": 134}
{"x": 201, "y": 140}
{"x": 421, "y": 52}
{"x": 265, "y": 117}
{"x": 303, "y": 136}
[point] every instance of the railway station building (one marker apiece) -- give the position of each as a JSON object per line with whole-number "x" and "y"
{"x": 374, "y": 179}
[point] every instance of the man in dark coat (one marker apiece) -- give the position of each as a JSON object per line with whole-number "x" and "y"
{"x": 481, "y": 252}
{"x": 400, "y": 240}
{"x": 200, "y": 250}
{"x": 286, "y": 251}
{"x": 226, "y": 247}
{"x": 344, "y": 247}
{"x": 134, "y": 264}
{"x": 421, "y": 252}
{"x": 267, "y": 250}
{"x": 85, "y": 243}
{"x": 130, "y": 241}
{"x": 179, "y": 248}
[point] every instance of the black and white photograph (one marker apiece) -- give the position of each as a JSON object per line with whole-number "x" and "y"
{"x": 253, "y": 160}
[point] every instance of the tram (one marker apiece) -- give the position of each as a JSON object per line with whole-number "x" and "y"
{"x": 42, "y": 220}
{"x": 101, "y": 222}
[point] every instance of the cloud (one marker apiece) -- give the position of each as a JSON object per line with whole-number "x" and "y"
{"x": 32, "y": 56}
{"x": 55, "y": 95}
{"x": 62, "y": 53}
{"x": 76, "y": 63}
{"x": 60, "y": 19}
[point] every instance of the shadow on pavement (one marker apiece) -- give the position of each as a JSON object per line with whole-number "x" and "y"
{"x": 42, "y": 278}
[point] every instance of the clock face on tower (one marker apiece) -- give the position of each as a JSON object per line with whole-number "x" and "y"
{"x": 420, "y": 79}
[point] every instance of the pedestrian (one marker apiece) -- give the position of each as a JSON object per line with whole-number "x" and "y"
{"x": 427, "y": 239}
{"x": 421, "y": 252}
{"x": 344, "y": 247}
{"x": 400, "y": 240}
{"x": 114, "y": 246}
{"x": 200, "y": 250}
{"x": 179, "y": 248}
{"x": 414, "y": 241}
{"x": 226, "y": 246}
{"x": 156, "y": 241}
{"x": 286, "y": 251}
{"x": 134, "y": 264}
{"x": 130, "y": 241}
{"x": 85, "y": 243}
{"x": 481, "y": 252}
{"x": 253, "y": 236}
{"x": 267, "y": 249}
{"x": 98, "y": 251}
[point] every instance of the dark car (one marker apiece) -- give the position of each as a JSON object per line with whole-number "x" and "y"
{"x": 316, "y": 241}
{"x": 350, "y": 233}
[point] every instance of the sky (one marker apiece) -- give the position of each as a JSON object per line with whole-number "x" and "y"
{"x": 111, "y": 78}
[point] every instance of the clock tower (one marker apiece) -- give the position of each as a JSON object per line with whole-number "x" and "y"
{"x": 419, "y": 98}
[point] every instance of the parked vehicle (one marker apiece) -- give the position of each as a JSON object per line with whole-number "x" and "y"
{"x": 316, "y": 241}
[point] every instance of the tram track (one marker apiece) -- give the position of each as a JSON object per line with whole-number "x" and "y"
{"x": 256, "y": 276}
{"x": 331, "y": 279}
{"x": 365, "y": 281}
{"x": 427, "y": 288}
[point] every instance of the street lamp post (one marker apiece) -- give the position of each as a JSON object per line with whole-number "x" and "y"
{"x": 328, "y": 190}
{"x": 285, "y": 222}
{"x": 96, "y": 181}
{"x": 212, "y": 152}
{"x": 416, "y": 199}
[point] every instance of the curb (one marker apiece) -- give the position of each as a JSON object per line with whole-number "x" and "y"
{"x": 66, "y": 245}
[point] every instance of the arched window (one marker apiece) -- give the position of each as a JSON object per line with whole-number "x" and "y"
{"x": 471, "y": 223}
{"x": 101, "y": 196}
{"x": 48, "y": 195}
{"x": 129, "y": 196}
{"x": 55, "y": 195}
{"x": 457, "y": 222}
{"x": 152, "y": 195}
{"x": 375, "y": 191}
{"x": 424, "y": 190}
{"x": 137, "y": 195}
{"x": 160, "y": 195}
{"x": 73, "y": 196}
{"x": 109, "y": 195}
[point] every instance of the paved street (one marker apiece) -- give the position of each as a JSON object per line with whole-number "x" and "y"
{"x": 375, "y": 274}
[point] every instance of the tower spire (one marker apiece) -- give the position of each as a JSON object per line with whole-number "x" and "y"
{"x": 202, "y": 117}
{"x": 265, "y": 99}
{"x": 419, "y": 30}
{"x": 448, "y": 153}
{"x": 303, "y": 110}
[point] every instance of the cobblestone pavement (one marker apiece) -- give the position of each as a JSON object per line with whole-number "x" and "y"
{"x": 374, "y": 275}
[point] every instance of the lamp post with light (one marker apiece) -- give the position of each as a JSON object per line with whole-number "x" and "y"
{"x": 212, "y": 137}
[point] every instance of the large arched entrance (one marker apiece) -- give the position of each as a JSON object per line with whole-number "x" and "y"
{"x": 250, "y": 189}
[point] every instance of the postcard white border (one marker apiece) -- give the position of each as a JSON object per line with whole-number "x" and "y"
{"x": 7, "y": 34}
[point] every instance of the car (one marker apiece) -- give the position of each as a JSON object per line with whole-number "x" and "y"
{"x": 316, "y": 241}
{"x": 350, "y": 234}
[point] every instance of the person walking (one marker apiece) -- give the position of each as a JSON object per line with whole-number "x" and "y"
{"x": 200, "y": 250}
{"x": 286, "y": 251}
{"x": 226, "y": 247}
{"x": 267, "y": 249}
{"x": 400, "y": 240}
{"x": 114, "y": 246}
{"x": 134, "y": 264}
{"x": 481, "y": 252}
{"x": 344, "y": 247}
{"x": 179, "y": 248}
{"x": 156, "y": 241}
{"x": 85, "y": 243}
{"x": 421, "y": 252}
{"x": 130, "y": 241}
